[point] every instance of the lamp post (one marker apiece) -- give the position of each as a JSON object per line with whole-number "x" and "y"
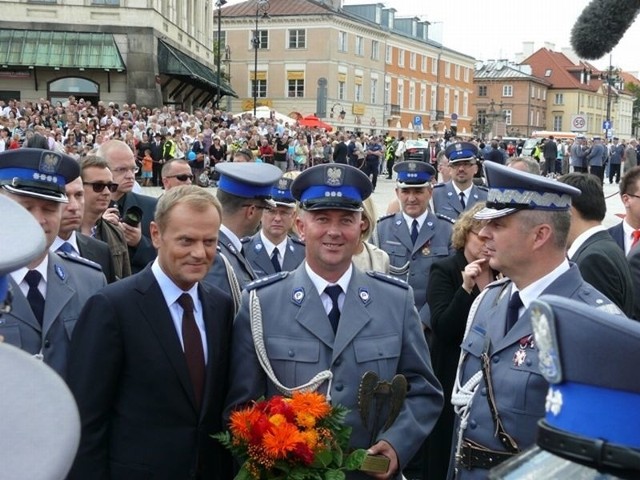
{"x": 262, "y": 7}
{"x": 341, "y": 113}
{"x": 611, "y": 77}
{"x": 219, "y": 4}
{"x": 227, "y": 63}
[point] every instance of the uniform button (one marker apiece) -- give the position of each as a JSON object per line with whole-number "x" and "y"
{"x": 529, "y": 362}
{"x": 496, "y": 359}
{"x": 292, "y": 353}
{"x": 483, "y": 392}
{"x": 339, "y": 387}
{"x": 47, "y": 344}
{"x": 473, "y": 424}
{"x": 337, "y": 362}
{"x": 470, "y": 343}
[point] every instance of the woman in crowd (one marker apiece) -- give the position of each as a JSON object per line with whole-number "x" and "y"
{"x": 368, "y": 256}
{"x": 454, "y": 283}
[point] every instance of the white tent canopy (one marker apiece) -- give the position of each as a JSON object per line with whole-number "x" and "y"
{"x": 266, "y": 112}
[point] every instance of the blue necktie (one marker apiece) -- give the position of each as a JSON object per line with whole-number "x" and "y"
{"x": 414, "y": 231}
{"x": 512, "y": 311}
{"x": 334, "y": 315}
{"x": 274, "y": 260}
{"x": 34, "y": 297}
{"x": 67, "y": 248}
{"x": 462, "y": 200}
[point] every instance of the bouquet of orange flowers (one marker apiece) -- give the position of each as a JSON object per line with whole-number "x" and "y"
{"x": 302, "y": 437}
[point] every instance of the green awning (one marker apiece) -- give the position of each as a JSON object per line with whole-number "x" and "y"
{"x": 29, "y": 48}
{"x": 173, "y": 62}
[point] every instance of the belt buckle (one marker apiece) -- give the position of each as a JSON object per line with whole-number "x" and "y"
{"x": 464, "y": 457}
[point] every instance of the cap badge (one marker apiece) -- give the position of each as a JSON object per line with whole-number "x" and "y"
{"x": 364, "y": 295}
{"x": 282, "y": 184}
{"x": 458, "y": 147}
{"x": 553, "y": 402}
{"x": 334, "y": 177}
{"x": 298, "y": 295}
{"x": 412, "y": 166}
{"x": 49, "y": 162}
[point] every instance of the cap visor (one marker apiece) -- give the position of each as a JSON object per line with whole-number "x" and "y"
{"x": 542, "y": 465}
{"x": 38, "y": 193}
{"x": 491, "y": 213}
{"x": 400, "y": 184}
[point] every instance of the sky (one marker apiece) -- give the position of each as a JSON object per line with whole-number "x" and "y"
{"x": 492, "y": 29}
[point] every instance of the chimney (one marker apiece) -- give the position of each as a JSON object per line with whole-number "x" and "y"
{"x": 527, "y": 49}
{"x": 550, "y": 46}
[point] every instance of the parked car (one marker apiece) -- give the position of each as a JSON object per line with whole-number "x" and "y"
{"x": 416, "y": 150}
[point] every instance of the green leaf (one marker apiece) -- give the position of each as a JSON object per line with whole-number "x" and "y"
{"x": 338, "y": 457}
{"x": 354, "y": 459}
{"x": 243, "y": 474}
{"x": 334, "y": 475}
{"x": 324, "y": 457}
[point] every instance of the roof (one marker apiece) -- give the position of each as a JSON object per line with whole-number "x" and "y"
{"x": 504, "y": 70}
{"x": 559, "y": 67}
{"x": 278, "y": 8}
{"x": 45, "y": 48}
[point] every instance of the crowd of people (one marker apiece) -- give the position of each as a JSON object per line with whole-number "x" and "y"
{"x": 161, "y": 298}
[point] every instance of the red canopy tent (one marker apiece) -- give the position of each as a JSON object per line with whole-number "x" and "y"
{"x": 312, "y": 121}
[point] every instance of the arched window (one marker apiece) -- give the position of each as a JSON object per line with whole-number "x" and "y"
{"x": 61, "y": 88}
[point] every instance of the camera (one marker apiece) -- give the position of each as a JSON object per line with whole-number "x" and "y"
{"x": 133, "y": 216}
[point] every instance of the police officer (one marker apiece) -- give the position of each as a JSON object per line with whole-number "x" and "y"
{"x": 460, "y": 193}
{"x": 272, "y": 249}
{"x": 49, "y": 292}
{"x": 41, "y": 408}
{"x": 244, "y": 192}
{"x": 589, "y": 429}
{"x": 330, "y": 320}
{"x": 415, "y": 237}
{"x": 499, "y": 393}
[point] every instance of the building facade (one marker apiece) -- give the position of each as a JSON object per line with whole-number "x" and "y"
{"x": 148, "y": 52}
{"x": 359, "y": 67}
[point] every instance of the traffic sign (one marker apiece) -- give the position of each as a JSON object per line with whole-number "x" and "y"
{"x": 417, "y": 120}
{"x": 606, "y": 125}
{"x": 578, "y": 123}
{"x": 454, "y": 116}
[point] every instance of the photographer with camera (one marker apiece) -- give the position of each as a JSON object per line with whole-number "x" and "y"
{"x": 129, "y": 211}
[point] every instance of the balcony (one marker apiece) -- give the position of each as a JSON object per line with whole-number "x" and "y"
{"x": 391, "y": 110}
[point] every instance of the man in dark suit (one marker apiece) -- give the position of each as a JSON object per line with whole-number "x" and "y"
{"x": 550, "y": 153}
{"x": 341, "y": 150}
{"x": 156, "y": 154}
{"x": 627, "y": 233}
{"x": 72, "y": 242}
{"x": 158, "y": 341}
{"x": 599, "y": 259}
{"x": 123, "y": 166}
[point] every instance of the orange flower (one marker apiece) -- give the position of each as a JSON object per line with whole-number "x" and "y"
{"x": 242, "y": 421}
{"x": 312, "y": 403}
{"x": 281, "y": 440}
{"x": 277, "y": 419}
{"x": 310, "y": 437}
{"x": 305, "y": 420}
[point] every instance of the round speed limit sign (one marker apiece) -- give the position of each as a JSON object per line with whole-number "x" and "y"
{"x": 578, "y": 123}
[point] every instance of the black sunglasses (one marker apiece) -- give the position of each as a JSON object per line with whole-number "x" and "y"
{"x": 99, "y": 187}
{"x": 183, "y": 177}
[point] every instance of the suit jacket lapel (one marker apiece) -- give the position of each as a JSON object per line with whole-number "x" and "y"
{"x": 20, "y": 308}
{"x": 156, "y": 312}
{"x": 263, "y": 261}
{"x": 237, "y": 254}
{"x": 401, "y": 232}
{"x": 453, "y": 198}
{"x": 289, "y": 262}
{"x": 355, "y": 314}
{"x": 426, "y": 232}
{"x": 59, "y": 291}
{"x": 311, "y": 314}
{"x": 213, "y": 332}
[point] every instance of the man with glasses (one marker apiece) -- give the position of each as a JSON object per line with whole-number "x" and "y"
{"x": 272, "y": 249}
{"x": 175, "y": 173}
{"x": 460, "y": 193}
{"x": 244, "y": 191}
{"x": 97, "y": 181}
{"x": 627, "y": 233}
{"x": 122, "y": 164}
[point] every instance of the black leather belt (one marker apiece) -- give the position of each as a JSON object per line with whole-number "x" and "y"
{"x": 591, "y": 452}
{"x": 473, "y": 455}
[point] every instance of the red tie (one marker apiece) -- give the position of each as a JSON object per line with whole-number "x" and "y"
{"x": 636, "y": 238}
{"x": 193, "y": 350}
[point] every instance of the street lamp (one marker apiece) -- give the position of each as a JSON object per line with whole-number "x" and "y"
{"x": 611, "y": 77}
{"x": 219, "y": 5}
{"x": 227, "y": 63}
{"x": 341, "y": 114}
{"x": 262, "y": 7}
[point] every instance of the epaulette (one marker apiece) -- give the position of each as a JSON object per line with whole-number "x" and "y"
{"x": 298, "y": 241}
{"x": 264, "y": 281}
{"x": 499, "y": 282}
{"x": 389, "y": 279}
{"x": 444, "y": 217}
{"x": 439, "y": 185}
{"x": 384, "y": 217}
{"x": 218, "y": 249}
{"x": 483, "y": 187}
{"x": 245, "y": 239}
{"x": 81, "y": 260}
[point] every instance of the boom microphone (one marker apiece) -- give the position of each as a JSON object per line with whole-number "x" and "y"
{"x": 601, "y": 25}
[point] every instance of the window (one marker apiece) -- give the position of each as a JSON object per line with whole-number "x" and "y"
{"x": 533, "y": 92}
{"x": 446, "y": 101}
{"x": 423, "y": 63}
{"x": 457, "y": 72}
{"x": 544, "y": 95}
{"x": 412, "y": 96}
{"x": 434, "y": 107}
{"x": 482, "y": 117}
{"x": 507, "y": 116}
{"x": 261, "y": 88}
{"x": 342, "y": 41}
{"x": 434, "y": 66}
{"x": 559, "y": 99}
{"x": 297, "y": 38}
{"x": 295, "y": 88}
{"x": 557, "y": 123}
{"x": 387, "y": 91}
{"x": 400, "y": 94}
{"x": 423, "y": 97}
{"x": 357, "y": 96}
{"x": 482, "y": 90}
{"x": 342, "y": 86}
{"x": 456, "y": 102}
{"x": 375, "y": 50}
{"x": 507, "y": 91}
{"x": 388, "y": 54}
{"x": 359, "y": 45}
{"x": 412, "y": 61}
{"x": 400, "y": 57}
{"x": 547, "y": 72}
{"x": 374, "y": 91}
{"x": 465, "y": 104}
{"x": 447, "y": 69}
{"x": 263, "y": 40}
{"x": 466, "y": 75}
{"x": 104, "y": 2}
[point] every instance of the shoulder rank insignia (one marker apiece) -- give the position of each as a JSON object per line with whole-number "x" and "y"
{"x": 81, "y": 260}
{"x": 385, "y": 217}
{"x": 439, "y": 185}
{"x": 264, "y": 281}
{"x": 389, "y": 279}
{"x": 446, "y": 218}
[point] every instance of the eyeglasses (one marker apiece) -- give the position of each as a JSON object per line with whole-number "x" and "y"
{"x": 99, "y": 187}
{"x": 123, "y": 170}
{"x": 632, "y": 195}
{"x": 183, "y": 177}
{"x": 461, "y": 164}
